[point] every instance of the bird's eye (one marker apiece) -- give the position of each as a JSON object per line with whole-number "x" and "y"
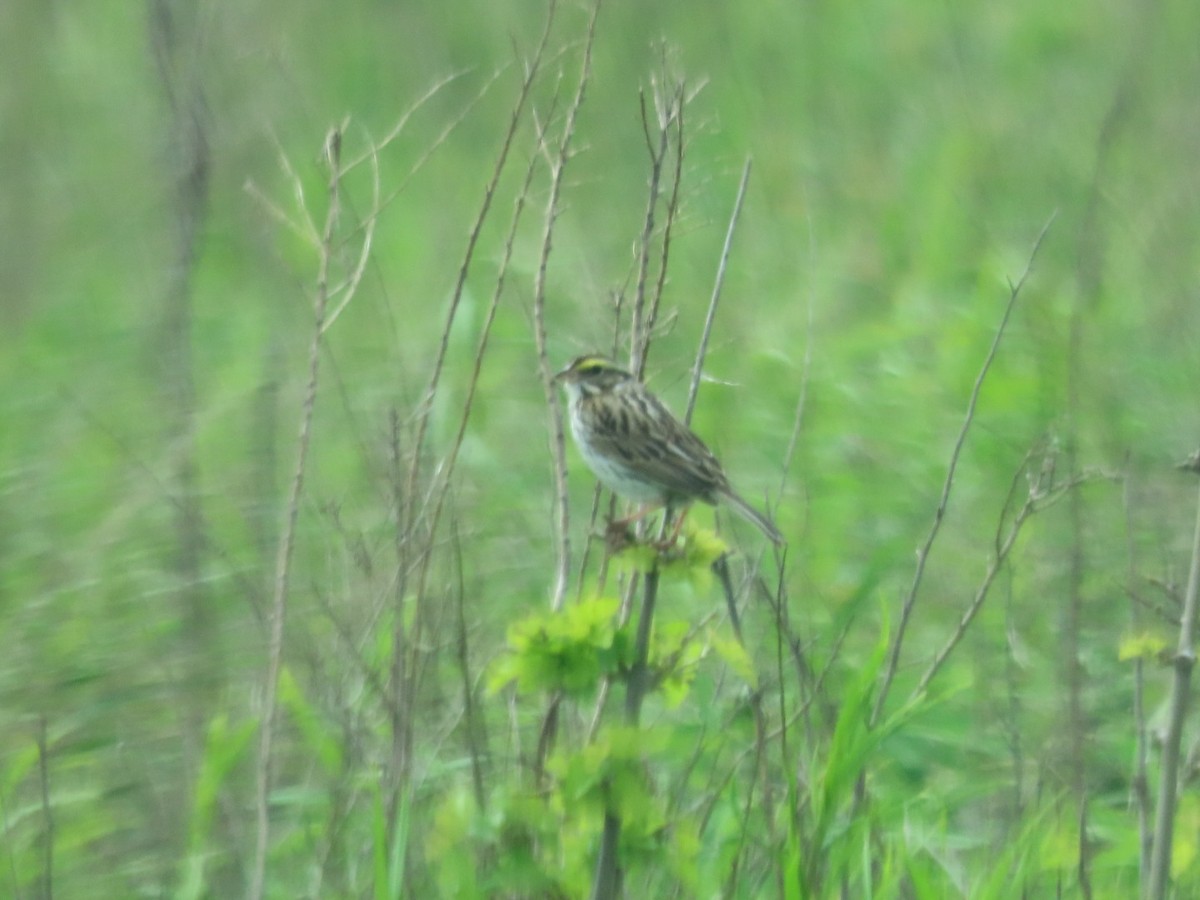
{"x": 592, "y": 369}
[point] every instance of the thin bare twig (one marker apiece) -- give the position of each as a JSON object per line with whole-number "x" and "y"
{"x": 350, "y": 286}
{"x": 287, "y": 540}
{"x": 679, "y": 102}
{"x": 714, "y": 299}
{"x": 1038, "y": 500}
{"x": 893, "y": 660}
{"x": 373, "y": 150}
{"x": 557, "y": 161}
{"x": 451, "y": 460}
{"x": 425, "y": 406}
{"x": 640, "y": 319}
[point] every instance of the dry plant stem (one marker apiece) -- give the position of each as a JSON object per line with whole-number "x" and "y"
{"x": 641, "y": 320}
{"x": 448, "y": 465}
{"x": 396, "y": 130}
{"x": 1140, "y": 788}
{"x": 349, "y": 287}
{"x": 893, "y": 660}
{"x": 714, "y": 300}
{"x": 557, "y": 161}
{"x": 1168, "y": 785}
{"x": 287, "y": 538}
{"x": 425, "y": 408}
{"x": 651, "y": 318}
{"x": 1036, "y": 502}
{"x": 405, "y": 660}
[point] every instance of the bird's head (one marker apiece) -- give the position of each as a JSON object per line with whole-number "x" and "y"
{"x": 591, "y": 374}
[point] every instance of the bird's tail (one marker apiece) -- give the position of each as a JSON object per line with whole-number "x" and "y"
{"x": 748, "y": 512}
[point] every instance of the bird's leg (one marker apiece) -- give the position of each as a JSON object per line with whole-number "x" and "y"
{"x": 616, "y": 534}
{"x": 669, "y": 542}
{"x": 640, "y": 513}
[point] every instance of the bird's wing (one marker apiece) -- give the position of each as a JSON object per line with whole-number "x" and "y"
{"x": 669, "y": 454}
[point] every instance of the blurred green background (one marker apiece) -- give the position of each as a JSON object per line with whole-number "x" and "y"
{"x": 155, "y": 319}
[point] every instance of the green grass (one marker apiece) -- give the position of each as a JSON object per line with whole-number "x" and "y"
{"x": 905, "y": 157}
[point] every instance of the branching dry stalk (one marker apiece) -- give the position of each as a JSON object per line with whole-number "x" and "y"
{"x": 557, "y": 160}
{"x": 446, "y": 470}
{"x": 897, "y": 643}
{"x": 425, "y": 407}
{"x": 668, "y": 112}
{"x": 1040, "y": 497}
{"x": 417, "y": 520}
{"x": 287, "y": 538}
{"x": 679, "y": 105}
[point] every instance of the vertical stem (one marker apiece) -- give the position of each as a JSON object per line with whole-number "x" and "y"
{"x": 718, "y": 283}
{"x": 607, "y": 883}
{"x": 558, "y": 163}
{"x": 640, "y": 673}
{"x": 287, "y": 540}
{"x": 1185, "y": 661}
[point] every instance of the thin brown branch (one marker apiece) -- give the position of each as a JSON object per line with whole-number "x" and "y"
{"x": 557, "y": 162}
{"x": 639, "y": 328}
{"x": 372, "y": 151}
{"x": 714, "y": 300}
{"x": 425, "y": 406}
{"x": 287, "y": 538}
{"x": 451, "y": 461}
{"x": 1035, "y": 502}
{"x": 897, "y": 643}
{"x": 350, "y": 286}
{"x": 679, "y": 102}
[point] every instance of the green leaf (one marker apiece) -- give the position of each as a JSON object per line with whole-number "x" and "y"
{"x": 1144, "y": 646}
{"x": 568, "y": 651}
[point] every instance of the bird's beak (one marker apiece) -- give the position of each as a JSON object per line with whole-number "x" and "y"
{"x": 559, "y": 376}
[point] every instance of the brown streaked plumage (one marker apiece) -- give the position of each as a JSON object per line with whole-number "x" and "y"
{"x": 638, "y": 449}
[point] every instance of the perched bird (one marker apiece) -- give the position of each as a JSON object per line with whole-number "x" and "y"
{"x": 636, "y": 448}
